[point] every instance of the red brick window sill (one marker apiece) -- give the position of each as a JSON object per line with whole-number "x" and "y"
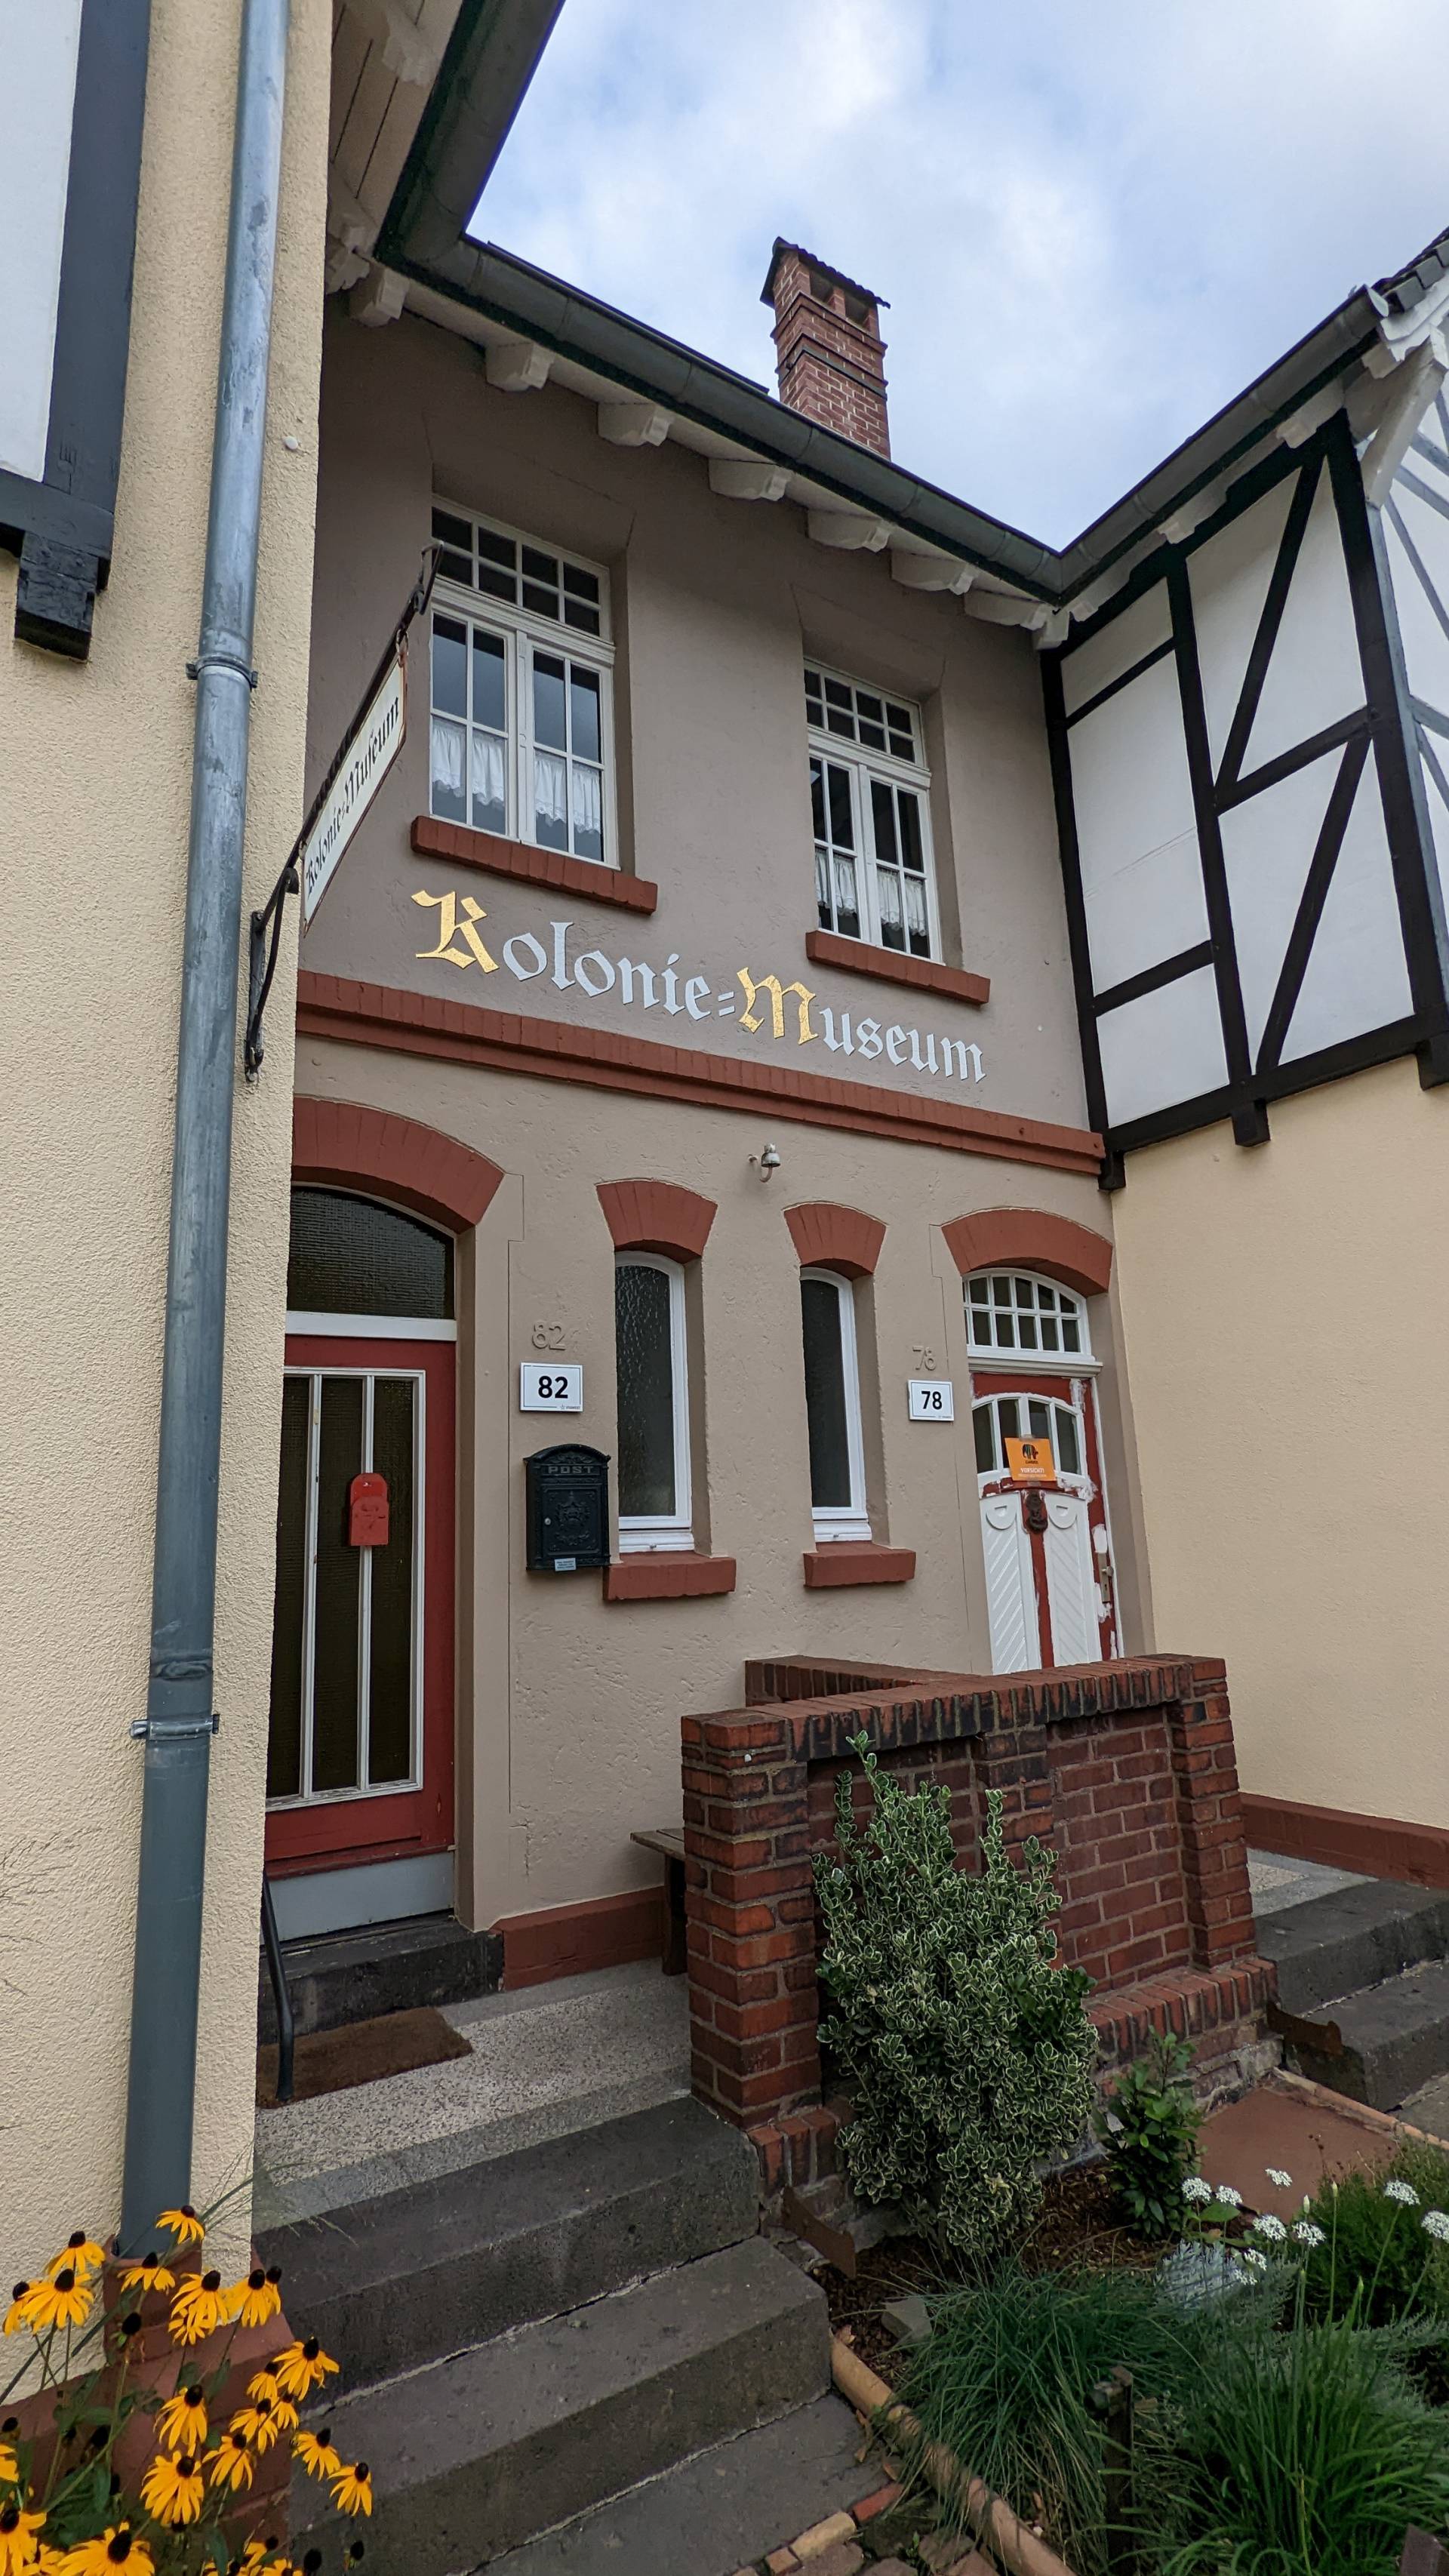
{"x": 848, "y": 1561}
{"x": 488, "y": 850}
{"x": 668, "y": 1577}
{"x": 888, "y": 966}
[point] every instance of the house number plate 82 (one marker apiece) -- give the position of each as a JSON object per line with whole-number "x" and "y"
{"x": 550, "y": 1387}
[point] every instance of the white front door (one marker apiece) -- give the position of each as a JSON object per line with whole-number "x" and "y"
{"x": 1010, "y": 1585}
{"x": 1047, "y": 1569}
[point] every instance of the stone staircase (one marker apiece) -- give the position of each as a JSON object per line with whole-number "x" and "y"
{"x": 581, "y": 2356}
{"x": 1363, "y": 1993}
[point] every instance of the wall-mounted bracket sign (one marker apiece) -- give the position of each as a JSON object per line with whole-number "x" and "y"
{"x": 930, "y": 1399}
{"x": 556, "y": 1387}
{"x": 367, "y": 751}
{"x": 1030, "y": 1462}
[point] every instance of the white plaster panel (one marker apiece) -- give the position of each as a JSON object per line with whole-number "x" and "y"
{"x": 1165, "y": 1047}
{"x": 38, "y": 44}
{"x": 1438, "y": 811}
{"x": 1121, "y": 642}
{"x": 1229, "y": 579}
{"x": 1356, "y": 978}
{"x": 1136, "y": 830}
{"x": 1267, "y": 846}
{"x": 1426, "y": 646}
{"x": 1315, "y": 676}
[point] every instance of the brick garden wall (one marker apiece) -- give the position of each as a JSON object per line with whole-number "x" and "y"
{"x": 1126, "y": 1769}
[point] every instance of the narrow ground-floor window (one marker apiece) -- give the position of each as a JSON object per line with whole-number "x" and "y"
{"x": 653, "y": 1396}
{"x": 832, "y": 1406}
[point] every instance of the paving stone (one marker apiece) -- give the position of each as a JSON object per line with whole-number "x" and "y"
{"x": 907, "y": 2319}
{"x": 950, "y": 2553}
{"x": 897, "y": 2567}
{"x": 821, "y": 2536}
{"x": 782, "y": 2562}
{"x": 845, "y": 2559}
{"x": 880, "y": 2502}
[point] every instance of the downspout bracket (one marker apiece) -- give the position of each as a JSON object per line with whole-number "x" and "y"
{"x": 173, "y": 1730}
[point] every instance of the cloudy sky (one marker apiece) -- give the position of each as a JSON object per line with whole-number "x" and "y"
{"x": 1094, "y": 220}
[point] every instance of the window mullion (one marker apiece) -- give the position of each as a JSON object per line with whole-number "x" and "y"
{"x": 869, "y": 896}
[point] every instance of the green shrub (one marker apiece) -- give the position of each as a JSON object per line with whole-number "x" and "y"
{"x": 1149, "y": 2127}
{"x": 1308, "y": 2452}
{"x": 1005, "y": 2380}
{"x": 968, "y": 2053}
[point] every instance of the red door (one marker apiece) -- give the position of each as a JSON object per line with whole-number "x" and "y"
{"x": 1048, "y": 1564}
{"x": 360, "y": 1747}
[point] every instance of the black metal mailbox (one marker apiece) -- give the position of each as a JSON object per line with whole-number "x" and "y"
{"x": 568, "y": 1509}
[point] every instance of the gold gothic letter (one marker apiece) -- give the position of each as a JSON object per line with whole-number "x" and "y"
{"x": 750, "y": 1018}
{"x": 450, "y": 928}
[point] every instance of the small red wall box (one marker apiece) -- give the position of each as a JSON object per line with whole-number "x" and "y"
{"x": 367, "y": 1511}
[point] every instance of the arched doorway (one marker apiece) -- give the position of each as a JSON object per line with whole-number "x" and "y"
{"x": 1045, "y": 1531}
{"x": 360, "y": 1733}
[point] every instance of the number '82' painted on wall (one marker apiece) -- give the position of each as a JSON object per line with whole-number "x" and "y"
{"x": 550, "y": 1389}
{"x": 931, "y": 1399}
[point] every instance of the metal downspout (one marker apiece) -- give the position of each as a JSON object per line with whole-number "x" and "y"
{"x": 179, "y": 1721}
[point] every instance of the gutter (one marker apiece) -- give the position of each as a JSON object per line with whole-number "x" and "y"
{"x": 180, "y": 1720}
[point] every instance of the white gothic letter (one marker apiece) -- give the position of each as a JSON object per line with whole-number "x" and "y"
{"x": 844, "y": 1044}
{"x": 524, "y": 939}
{"x": 627, "y": 972}
{"x": 868, "y": 1038}
{"x": 594, "y": 957}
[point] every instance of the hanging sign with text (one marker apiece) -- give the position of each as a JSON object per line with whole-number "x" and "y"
{"x": 362, "y": 765}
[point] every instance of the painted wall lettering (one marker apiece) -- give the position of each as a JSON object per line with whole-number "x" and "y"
{"x": 761, "y": 1004}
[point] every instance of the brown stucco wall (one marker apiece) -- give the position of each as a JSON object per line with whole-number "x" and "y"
{"x": 93, "y": 830}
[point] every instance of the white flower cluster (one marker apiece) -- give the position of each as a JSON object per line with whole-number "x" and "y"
{"x": 1272, "y": 2228}
{"x": 1250, "y": 2255}
{"x": 1276, "y": 2175}
{"x": 1435, "y": 2223}
{"x": 1229, "y": 2198}
{"x": 1307, "y": 2234}
{"x": 1403, "y": 2192}
{"x": 1196, "y": 2189}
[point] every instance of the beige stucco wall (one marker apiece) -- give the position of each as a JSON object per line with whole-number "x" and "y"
{"x": 570, "y": 1705}
{"x": 1281, "y": 1314}
{"x": 94, "y": 794}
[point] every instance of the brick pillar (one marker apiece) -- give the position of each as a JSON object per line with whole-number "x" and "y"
{"x": 750, "y": 1906}
{"x": 830, "y": 357}
{"x": 1210, "y": 1826}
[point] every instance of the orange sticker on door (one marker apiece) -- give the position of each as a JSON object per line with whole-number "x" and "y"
{"x": 1030, "y": 1462}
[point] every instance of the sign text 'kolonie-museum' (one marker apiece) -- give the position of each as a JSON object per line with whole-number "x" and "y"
{"x": 749, "y": 1001}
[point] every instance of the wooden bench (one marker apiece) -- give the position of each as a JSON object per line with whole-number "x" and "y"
{"x": 668, "y": 1841}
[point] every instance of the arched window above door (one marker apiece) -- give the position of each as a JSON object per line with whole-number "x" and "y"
{"x": 354, "y": 1256}
{"x": 1015, "y": 1312}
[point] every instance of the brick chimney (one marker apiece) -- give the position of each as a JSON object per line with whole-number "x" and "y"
{"x": 830, "y": 356}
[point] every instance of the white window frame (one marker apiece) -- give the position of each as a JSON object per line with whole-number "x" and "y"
{"x": 862, "y": 765}
{"x": 524, "y": 633}
{"x": 853, "y": 1520}
{"x": 1016, "y": 1354}
{"x": 1073, "y": 1481}
{"x": 306, "y": 1796}
{"x": 643, "y": 1533}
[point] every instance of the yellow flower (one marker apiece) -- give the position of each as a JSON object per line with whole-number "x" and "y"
{"x": 183, "y": 2224}
{"x": 198, "y": 2308}
{"x": 149, "y": 2274}
{"x": 19, "y": 2547}
{"x": 80, "y": 2255}
{"x": 256, "y": 2425}
{"x": 181, "y": 2424}
{"x": 120, "y": 2547}
{"x": 173, "y": 2490}
{"x": 61, "y": 2301}
{"x": 352, "y": 2489}
{"x": 316, "y": 2453}
{"x": 302, "y": 2367}
{"x": 9, "y": 2465}
{"x": 257, "y": 2299}
{"x": 263, "y": 2391}
{"x": 231, "y": 2462}
{"x": 18, "y": 2313}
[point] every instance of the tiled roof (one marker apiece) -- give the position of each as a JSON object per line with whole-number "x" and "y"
{"x": 1402, "y": 291}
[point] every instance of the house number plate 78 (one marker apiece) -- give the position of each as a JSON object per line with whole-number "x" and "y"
{"x": 931, "y": 1399}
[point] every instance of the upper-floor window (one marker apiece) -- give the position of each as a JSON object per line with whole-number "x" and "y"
{"x": 522, "y": 716}
{"x": 832, "y": 1406}
{"x": 1009, "y": 1310}
{"x": 869, "y": 788}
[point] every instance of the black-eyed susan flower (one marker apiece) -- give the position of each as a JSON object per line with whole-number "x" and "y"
{"x": 61, "y": 2300}
{"x": 198, "y": 2308}
{"x": 80, "y": 2254}
{"x": 181, "y": 2424}
{"x": 302, "y": 2367}
{"x": 317, "y": 2453}
{"x": 182, "y": 2224}
{"x": 18, "y": 2312}
{"x": 256, "y": 2300}
{"x": 149, "y": 2274}
{"x": 173, "y": 2490}
{"x": 19, "y": 2541}
{"x": 9, "y": 2464}
{"x": 258, "y": 2424}
{"x": 231, "y": 2463}
{"x": 119, "y": 2547}
{"x": 352, "y": 2489}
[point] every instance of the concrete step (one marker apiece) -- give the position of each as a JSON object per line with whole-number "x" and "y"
{"x": 409, "y": 2276}
{"x": 718, "y": 2511}
{"x": 474, "y": 2455}
{"x": 338, "y": 1977}
{"x": 1382, "y": 2043}
{"x": 1337, "y": 1944}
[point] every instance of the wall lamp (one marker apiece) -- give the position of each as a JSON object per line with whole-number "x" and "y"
{"x": 766, "y": 1163}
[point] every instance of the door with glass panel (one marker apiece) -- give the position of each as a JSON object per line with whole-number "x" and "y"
{"x": 1045, "y": 1531}
{"x": 360, "y": 1740}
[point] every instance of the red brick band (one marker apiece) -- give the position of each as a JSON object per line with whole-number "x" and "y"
{"x": 1376, "y": 1846}
{"x": 888, "y": 966}
{"x": 427, "y": 1024}
{"x": 1030, "y": 1238}
{"x": 343, "y": 1143}
{"x": 566, "y": 1940}
{"x": 656, "y": 1216}
{"x": 499, "y": 858}
{"x": 835, "y": 1238}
